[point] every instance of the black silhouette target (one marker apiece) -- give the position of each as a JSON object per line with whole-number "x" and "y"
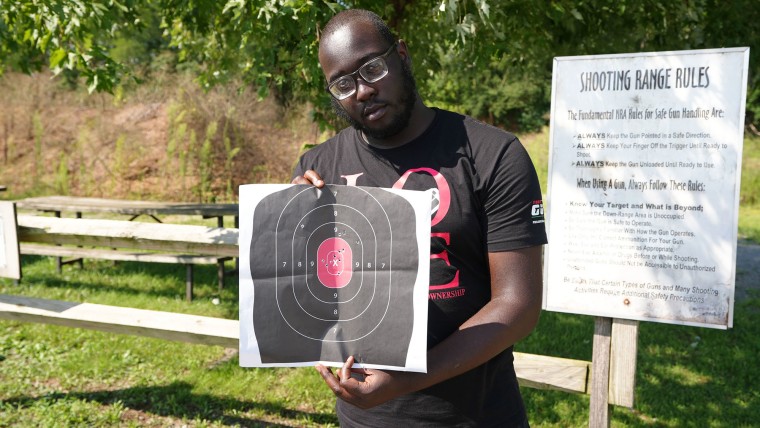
{"x": 333, "y": 271}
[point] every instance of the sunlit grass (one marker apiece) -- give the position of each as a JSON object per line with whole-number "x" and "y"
{"x": 749, "y": 223}
{"x": 61, "y": 376}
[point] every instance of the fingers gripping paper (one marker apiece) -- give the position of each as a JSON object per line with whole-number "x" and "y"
{"x": 333, "y": 272}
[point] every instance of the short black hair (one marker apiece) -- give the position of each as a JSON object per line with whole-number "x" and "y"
{"x": 353, "y": 15}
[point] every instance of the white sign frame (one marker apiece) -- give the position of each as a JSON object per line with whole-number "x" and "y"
{"x": 644, "y": 180}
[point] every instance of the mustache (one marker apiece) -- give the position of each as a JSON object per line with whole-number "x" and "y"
{"x": 369, "y": 106}
{"x": 362, "y": 107}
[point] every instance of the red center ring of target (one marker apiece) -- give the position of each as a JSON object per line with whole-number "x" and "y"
{"x": 335, "y": 259}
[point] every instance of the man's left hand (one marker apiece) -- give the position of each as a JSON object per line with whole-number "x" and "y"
{"x": 371, "y": 388}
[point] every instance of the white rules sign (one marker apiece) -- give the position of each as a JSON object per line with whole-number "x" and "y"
{"x": 644, "y": 178}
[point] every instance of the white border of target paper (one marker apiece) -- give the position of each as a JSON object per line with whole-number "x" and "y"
{"x": 416, "y": 358}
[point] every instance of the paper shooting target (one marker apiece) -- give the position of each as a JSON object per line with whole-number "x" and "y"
{"x": 333, "y": 272}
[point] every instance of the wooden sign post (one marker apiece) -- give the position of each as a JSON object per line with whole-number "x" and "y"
{"x": 600, "y": 373}
{"x": 613, "y": 369}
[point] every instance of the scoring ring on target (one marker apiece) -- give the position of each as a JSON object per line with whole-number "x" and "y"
{"x": 360, "y": 290}
{"x": 335, "y": 262}
{"x": 333, "y": 258}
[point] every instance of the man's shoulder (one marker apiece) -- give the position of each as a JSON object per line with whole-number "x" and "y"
{"x": 475, "y": 127}
{"x": 334, "y": 143}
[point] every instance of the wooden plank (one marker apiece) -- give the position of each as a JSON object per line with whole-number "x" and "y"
{"x": 544, "y": 372}
{"x": 10, "y": 262}
{"x": 121, "y": 206}
{"x": 599, "y": 407}
{"x": 623, "y": 350}
{"x": 114, "y": 319}
{"x": 211, "y": 241}
{"x": 119, "y": 255}
{"x": 537, "y": 371}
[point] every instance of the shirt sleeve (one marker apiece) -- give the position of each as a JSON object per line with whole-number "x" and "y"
{"x": 513, "y": 202}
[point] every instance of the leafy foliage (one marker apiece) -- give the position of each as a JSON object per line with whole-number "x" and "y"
{"x": 66, "y": 35}
{"x": 490, "y": 59}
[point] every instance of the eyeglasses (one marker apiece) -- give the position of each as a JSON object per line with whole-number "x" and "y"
{"x": 372, "y": 71}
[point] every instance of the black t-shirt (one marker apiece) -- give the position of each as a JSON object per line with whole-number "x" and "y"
{"x": 488, "y": 200}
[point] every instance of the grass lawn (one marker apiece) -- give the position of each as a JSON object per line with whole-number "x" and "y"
{"x": 59, "y": 376}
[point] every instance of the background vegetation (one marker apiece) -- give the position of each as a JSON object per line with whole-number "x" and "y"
{"x": 492, "y": 60}
{"x": 163, "y": 140}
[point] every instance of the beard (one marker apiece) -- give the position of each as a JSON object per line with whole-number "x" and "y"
{"x": 399, "y": 121}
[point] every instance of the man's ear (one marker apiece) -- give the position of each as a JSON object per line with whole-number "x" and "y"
{"x": 403, "y": 52}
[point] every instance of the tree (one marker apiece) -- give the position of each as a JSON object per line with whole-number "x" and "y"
{"x": 65, "y": 35}
{"x": 490, "y": 59}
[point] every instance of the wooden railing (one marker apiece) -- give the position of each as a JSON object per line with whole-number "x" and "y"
{"x": 129, "y": 241}
{"x": 609, "y": 380}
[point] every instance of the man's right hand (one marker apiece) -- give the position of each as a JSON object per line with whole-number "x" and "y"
{"x": 309, "y": 177}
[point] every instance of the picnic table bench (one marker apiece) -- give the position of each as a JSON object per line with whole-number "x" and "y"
{"x": 129, "y": 241}
{"x": 134, "y": 208}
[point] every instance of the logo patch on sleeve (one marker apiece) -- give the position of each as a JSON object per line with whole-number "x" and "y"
{"x": 537, "y": 211}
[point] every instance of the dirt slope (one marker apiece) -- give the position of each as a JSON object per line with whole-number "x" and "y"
{"x": 148, "y": 143}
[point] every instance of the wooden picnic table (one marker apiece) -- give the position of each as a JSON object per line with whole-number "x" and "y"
{"x": 135, "y": 208}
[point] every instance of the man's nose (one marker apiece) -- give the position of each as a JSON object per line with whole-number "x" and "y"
{"x": 364, "y": 90}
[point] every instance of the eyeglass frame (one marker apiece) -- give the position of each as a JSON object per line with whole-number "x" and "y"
{"x": 358, "y": 71}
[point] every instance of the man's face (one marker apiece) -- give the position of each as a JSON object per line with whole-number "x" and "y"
{"x": 380, "y": 109}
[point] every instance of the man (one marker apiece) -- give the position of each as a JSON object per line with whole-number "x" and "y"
{"x": 486, "y": 237}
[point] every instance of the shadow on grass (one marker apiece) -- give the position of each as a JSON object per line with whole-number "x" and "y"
{"x": 691, "y": 376}
{"x": 177, "y": 400}
{"x": 565, "y": 336}
{"x": 685, "y": 376}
